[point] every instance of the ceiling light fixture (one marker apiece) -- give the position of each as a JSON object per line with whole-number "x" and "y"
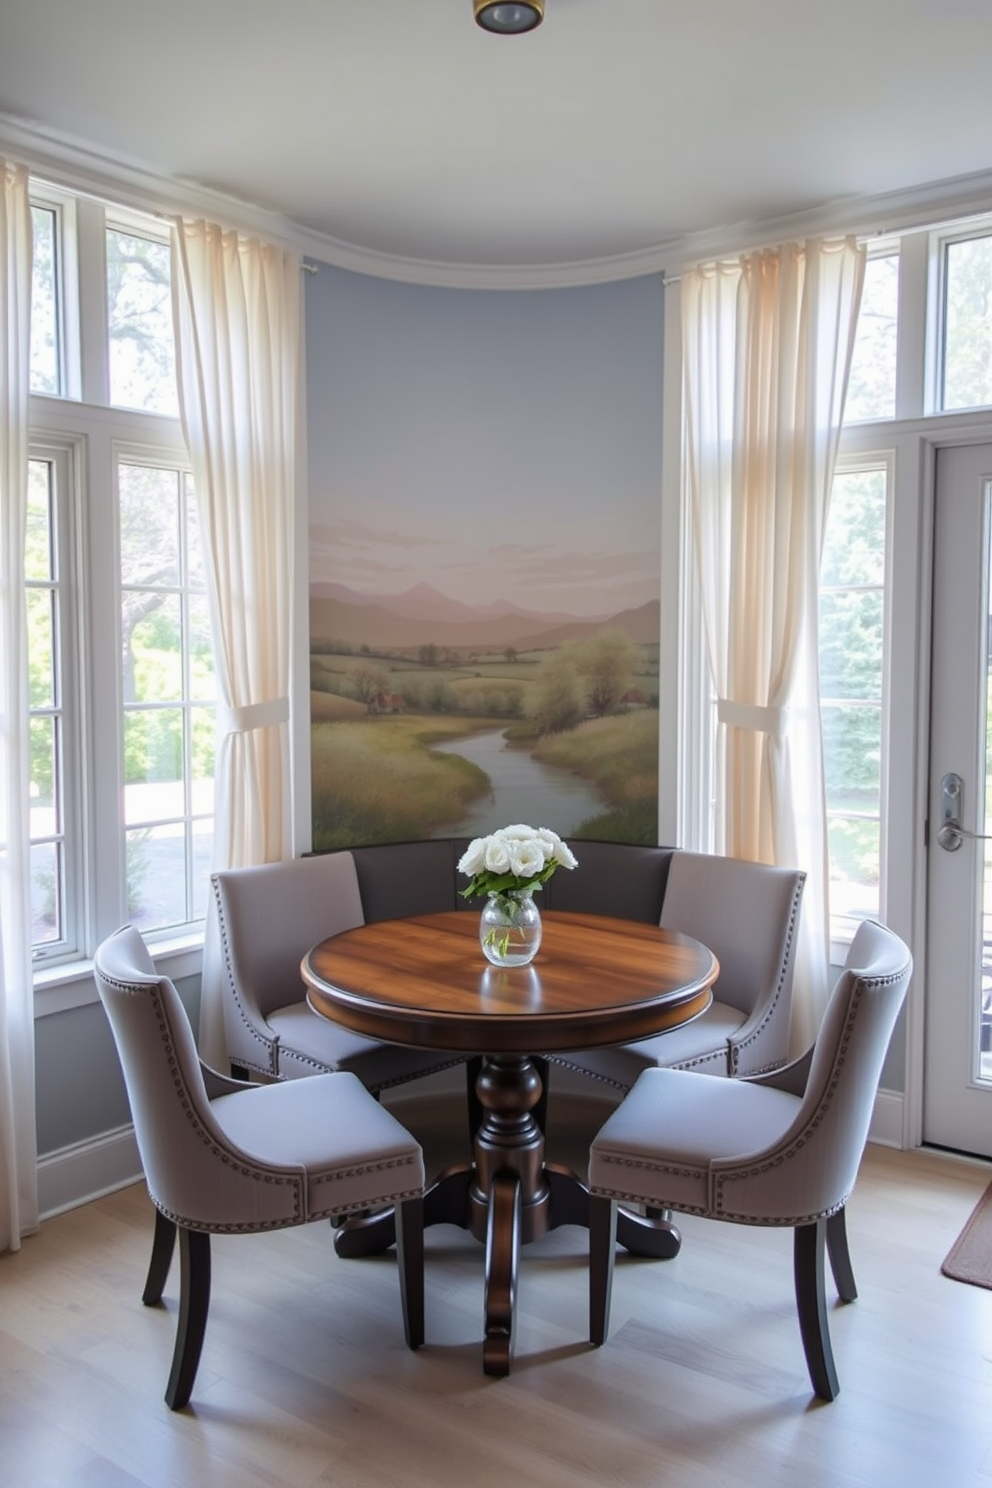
{"x": 508, "y": 19}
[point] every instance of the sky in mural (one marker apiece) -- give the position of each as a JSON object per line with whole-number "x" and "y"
{"x": 497, "y": 446}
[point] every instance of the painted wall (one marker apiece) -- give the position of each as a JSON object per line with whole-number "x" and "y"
{"x": 485, "y": 520}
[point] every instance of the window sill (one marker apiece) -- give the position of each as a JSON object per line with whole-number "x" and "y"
{"x": 70, "y": 984}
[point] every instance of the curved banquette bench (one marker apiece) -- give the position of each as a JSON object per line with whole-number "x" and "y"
{"x": 269, "y": 917}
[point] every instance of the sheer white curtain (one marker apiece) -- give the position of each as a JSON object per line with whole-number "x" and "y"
{"x": 237, "y": 314}
{"x": 767, "y": 347}
{"x": 18, "y": 1143}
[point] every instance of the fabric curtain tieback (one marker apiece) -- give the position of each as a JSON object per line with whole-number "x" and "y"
{"x": 253, "y": 716}
{"x": 756, "y": 716}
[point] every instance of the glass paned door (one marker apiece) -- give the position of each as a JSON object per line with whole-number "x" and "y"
{"x": 958, "y": 1050}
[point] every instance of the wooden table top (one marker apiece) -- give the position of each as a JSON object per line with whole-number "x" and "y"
{"x": 424, "y": 981}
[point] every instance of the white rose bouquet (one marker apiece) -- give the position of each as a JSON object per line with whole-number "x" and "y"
{"x": 513, "y": 859}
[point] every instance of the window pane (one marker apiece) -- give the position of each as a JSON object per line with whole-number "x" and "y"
{"x": 852, "y": 757}
{"x": 156, "y": 876}
{"x": 854, "y": 543}
{"x": 203, "y": 845}
{"x": 153, "y": 657}
{"x": 167, "y": 658}
{"x": 44, "y": 305}
{"x": 871, "y": 390}
{"x": 38, "y": 557}
{"x": 139, "y": 306}
{"x": 149, "y": 526}
{"x": 45, "y": 758}
{"x": 968, "y": 323}
{"x": 852, "y": 633}
{"x": 41, "y": 648}
{"x": 43, "y": 766}
{"x": 153, "y": 764}
{"x": 46, "y": 893}
{"x": 854, "y": 868}
{"x": 851, "y": 643}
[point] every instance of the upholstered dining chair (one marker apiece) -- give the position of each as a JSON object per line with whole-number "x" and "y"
{"x": 777, "y": 1149}
{"x": 269, "y": 916}
{"x": 223, "y": 1157}
{"x": 748, "y": 915}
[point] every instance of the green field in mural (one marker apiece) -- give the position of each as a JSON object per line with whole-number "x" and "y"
{"x": 429, "y": 740}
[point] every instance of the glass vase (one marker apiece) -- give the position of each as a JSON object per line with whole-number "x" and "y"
{"x": 510, "y": 928}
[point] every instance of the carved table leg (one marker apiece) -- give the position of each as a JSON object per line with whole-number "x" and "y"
{"x": 502, "y": 1261}
{"x": 509, "y": 1200}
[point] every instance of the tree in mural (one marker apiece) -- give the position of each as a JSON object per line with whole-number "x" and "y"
{"x": 369, "y": 682}
{"x": 606, "y": 664}
{"x": 557, "y": 701}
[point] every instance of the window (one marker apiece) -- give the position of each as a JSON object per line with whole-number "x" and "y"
{"x": 46, "y": 337}
{"x": 46, "y": 695}
{"x": 139, "y": 323}
{"x": 871, "y": 391}
{"x": 121, "y": 672}
{"x": 167, "y": 690}
{"x": 966, "y": 342}
{"x": 852, "y": 647}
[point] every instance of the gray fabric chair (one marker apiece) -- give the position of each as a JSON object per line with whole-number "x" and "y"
{"x": 779, "y": 1149}
{"x": 223, "y": 1157}
{"x": 748, "y": 915}
{"x": 268, "y": 918}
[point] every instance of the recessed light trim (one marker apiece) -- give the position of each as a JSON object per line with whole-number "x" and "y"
{"x": 509, "y": 17}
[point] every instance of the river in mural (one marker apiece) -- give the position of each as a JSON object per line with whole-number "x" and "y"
{"x": 523, "y": 790}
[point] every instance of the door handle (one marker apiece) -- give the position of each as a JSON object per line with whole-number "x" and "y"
{"x": 951, "y": 833}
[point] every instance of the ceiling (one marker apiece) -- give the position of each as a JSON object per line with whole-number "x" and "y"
{"x": 400, "y": 137}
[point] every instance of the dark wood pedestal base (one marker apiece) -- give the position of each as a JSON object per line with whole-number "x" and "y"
{"x": 508, "y": 1197}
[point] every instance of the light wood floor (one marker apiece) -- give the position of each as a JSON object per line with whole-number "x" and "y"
{"x": 305, "y": 1379}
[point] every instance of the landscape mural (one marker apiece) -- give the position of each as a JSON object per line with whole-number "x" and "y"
{"x": 484, "y": 560}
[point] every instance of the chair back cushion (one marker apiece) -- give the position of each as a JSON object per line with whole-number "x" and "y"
{"x": 748, "y": 915}
{"x": 269, "y": 916}
{"x": 184, "y": 1152}
{"x": 612, "y": 878}
{"x": 812, "y": 1169}
{"x": 397, "y": 879}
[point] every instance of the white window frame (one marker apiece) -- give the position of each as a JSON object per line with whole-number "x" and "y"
{"x": 88, "y": 438}
{"x": 939, "y": 241}
{"x": 851, "y": 462}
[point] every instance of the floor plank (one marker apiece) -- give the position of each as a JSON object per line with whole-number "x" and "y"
{"x": 306, "y": 1382}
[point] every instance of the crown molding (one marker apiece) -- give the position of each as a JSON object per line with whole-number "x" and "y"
{"x": 77, "y": 167}
{"x": 74, "y": 167}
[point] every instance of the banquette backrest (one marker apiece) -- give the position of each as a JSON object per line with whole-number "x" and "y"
{"x": 411, "y": 878}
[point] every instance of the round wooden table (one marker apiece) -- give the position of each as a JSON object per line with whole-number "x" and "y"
{"x": 424, "y": 981}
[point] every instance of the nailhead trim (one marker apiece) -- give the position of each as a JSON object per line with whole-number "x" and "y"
{"x": 719, "y": 1181}
{"x": 259, "y": 1174}
{"x": 736, "y": 1047}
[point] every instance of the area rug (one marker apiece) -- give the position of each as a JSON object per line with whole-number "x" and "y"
{"x": 970, "y": 1257}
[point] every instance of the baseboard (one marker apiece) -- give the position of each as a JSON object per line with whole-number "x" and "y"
{"x": 886, "y": 1121}
{"x": 87, "y": 1170}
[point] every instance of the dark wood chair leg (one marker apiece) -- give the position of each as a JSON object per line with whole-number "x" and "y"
{"x": 409, "y": 1218}
{"x": 840, "y": 1256}
{"x": 240, "y": 1072}
{"x": 194, "y": 1304}
{"x": 809, "y": 1261}
{"x": 602, "y": 1250}
{"x": 163, "y": 1244}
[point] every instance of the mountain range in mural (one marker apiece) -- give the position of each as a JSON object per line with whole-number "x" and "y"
{"x": 422, "y": 616}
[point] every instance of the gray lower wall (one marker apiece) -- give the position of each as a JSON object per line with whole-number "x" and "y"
{"x": 79, "y": 1086}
